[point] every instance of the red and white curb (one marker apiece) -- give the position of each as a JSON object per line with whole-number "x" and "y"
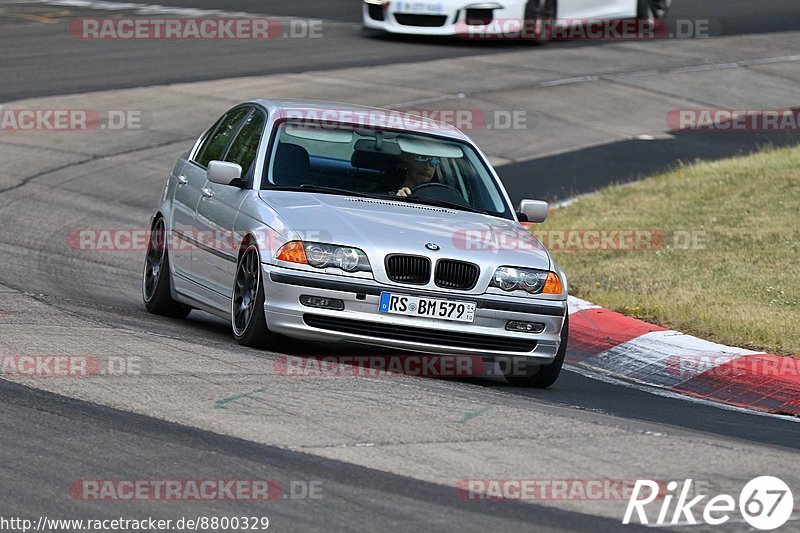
{"x": 606, "y": 342}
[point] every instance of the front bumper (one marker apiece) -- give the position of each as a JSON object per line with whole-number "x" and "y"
{"x": 361, "y": 323}
{"x": 447, "y": 22}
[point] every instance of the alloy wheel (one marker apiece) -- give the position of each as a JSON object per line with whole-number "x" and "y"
{"x": 245, "y": 290}
{"x": 155, "y": 258}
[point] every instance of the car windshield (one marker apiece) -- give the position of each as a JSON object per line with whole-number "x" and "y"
{"x": 384, "y": 163}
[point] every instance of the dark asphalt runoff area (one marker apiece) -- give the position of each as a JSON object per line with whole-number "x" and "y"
{"x": 629, "y": 160}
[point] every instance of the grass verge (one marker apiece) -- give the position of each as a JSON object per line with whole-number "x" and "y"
{"x": 711, "y": 249}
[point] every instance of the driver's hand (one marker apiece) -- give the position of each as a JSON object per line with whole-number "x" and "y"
{"x": 405, "y": 191}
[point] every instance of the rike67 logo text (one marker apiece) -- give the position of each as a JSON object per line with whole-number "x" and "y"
{"x": 765, "y": 503}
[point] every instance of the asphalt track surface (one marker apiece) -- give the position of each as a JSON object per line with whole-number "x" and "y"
{"x": 356, "y": 498}
{"x": 47, "y": 440}
{"x": 41, "y": 58}
{"x": 44, "y": 59}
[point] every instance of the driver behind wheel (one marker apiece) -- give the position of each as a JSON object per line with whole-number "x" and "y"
{"x": 418, "y": 170}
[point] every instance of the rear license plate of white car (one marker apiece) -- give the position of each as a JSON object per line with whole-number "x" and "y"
{"x": 402, "y": 304}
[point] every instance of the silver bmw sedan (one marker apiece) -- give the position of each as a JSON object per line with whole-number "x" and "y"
{"x": 339, "y": 223}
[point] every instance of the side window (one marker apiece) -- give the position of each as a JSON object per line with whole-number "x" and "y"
{"x": 244, "y": 148}
{"x": 214, "y": 146}
{"x": 204, "y": 139}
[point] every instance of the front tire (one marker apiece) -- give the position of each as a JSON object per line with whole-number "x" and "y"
{"x": 156, "y": 283}
{"x": 247, "y": 306}
{"x": 544, "y": 376}
{"x": 540, "y": 16}
{"x": 652, "y": 10}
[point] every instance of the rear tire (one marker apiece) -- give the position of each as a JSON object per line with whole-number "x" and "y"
{"x": 247, "y": 306}
{"x": 544, "y": 376}
{"x": 156, "y": 282}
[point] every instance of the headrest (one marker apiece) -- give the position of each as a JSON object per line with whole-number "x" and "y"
{"x": 291, "y": 165}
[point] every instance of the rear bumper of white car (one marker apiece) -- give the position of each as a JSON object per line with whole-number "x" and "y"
{"x": 437, "y": 19}
{"x": 360, "y": 322}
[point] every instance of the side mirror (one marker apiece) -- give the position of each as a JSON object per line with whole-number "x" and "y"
{"x": 534, "y": 210}
{"x": 223, "y": 172}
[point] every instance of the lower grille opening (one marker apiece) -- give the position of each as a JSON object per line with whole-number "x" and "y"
{"x": 375, "y": 11}
{"x": 479, "y": 17}
{"x": 415, "y": 334}
{"x": 426, "y": 21}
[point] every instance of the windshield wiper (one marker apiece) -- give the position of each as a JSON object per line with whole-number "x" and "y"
{"x": 412, "y": 199}
{"x": 329, "y": 190}
{"x": 443, "y": 203}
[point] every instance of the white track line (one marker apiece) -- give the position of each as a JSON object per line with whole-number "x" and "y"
{"x": 675, "y": 70}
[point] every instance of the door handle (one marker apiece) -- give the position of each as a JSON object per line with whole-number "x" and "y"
{"x": 207, "y": 193}
{"x": 182, "y": 180}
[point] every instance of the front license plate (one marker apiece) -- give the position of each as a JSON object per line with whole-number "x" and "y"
{"x": 419, "y": 7}
{"x": 401, "y": 304}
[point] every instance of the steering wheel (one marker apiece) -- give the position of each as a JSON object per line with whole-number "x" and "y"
{"x": 438, "y": 191}
{"x": 430, "y": 186}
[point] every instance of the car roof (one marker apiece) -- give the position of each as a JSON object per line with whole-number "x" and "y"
{"x": 395, "y": 119}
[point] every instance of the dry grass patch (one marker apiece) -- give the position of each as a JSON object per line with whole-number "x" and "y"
{"x": 728, "y": 268}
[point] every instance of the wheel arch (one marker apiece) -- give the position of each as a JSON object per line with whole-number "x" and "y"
{"x": 245, "y": 243}
{"x": 529, "y": 5}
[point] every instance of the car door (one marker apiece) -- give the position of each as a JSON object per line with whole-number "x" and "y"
{"x": 191, "y": 183}
{"x": 184, "y": 204}
{"x": 215, "y": 261}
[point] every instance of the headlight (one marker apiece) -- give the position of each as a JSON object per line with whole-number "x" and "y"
{"x": 532, "y": 281}
{"x": 320, "y": 255}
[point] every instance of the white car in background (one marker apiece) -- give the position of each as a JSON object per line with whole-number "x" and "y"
{"x": 464, "y": 17}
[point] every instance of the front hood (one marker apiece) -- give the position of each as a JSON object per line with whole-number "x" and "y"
{"x": 382, "y": 227}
